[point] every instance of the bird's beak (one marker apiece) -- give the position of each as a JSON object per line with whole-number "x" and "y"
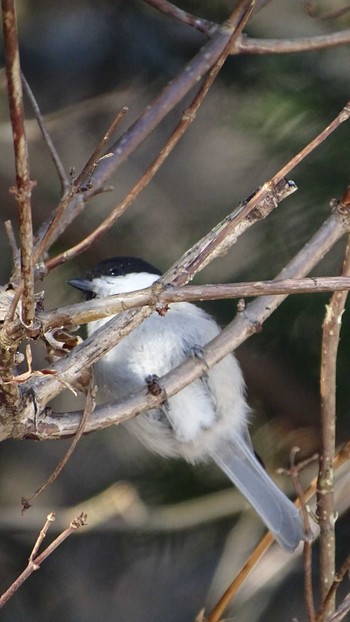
{"x": 83, "y": 284}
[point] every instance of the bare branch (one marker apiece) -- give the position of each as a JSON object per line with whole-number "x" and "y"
{"x": 89, "y": 408}
{"x": 203, "y": 25}
{"x": 92, "y": 162}
{"x": 24, "y": 185}
{"x": 229, "y": 594}
{"x": 325, "y": 497}
{"x": 42, "y": 535}
{"x": 13, "y": 245}
{"x": 50, "y": 231}
{"x": 65, "y": 182}
{"x": 339, "y": 577}
{"x": 312, "y": 11}
{"x": 35, "y": 562}
{"x": 307, "y": 549}
{"x": 249, "y": 45}
{"x": 343, "y": 116}
{"x": 342, "y": 610}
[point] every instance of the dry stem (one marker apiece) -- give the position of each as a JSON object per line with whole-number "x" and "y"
{"x": 89, "y": 408}
{"x": 338, "y": 578}
{"x": 203, "y": 25}
{"x": 249, "y": 45}
{"x": 325, "y": 496}
{"x": 307, "y": 550}
{"x": 24, "y": 185}
{"x": 46, "y": 136}
{"x": 226, "y": 598}
{"x": 35, "y": 562}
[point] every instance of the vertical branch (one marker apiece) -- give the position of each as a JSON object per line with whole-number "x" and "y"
{"x": 24, "y": 185}
{"x": 325, "y": 484}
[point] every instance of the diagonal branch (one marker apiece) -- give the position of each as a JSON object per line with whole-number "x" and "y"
{"x": 203, "y": 25}
{"x": 51, "y": 147}
{"x": 171, "y": 95}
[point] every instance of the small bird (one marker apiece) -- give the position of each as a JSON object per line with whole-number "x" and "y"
{"x": 205, "y": 420}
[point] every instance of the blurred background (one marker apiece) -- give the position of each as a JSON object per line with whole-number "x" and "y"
{"x": 165, "y": 556}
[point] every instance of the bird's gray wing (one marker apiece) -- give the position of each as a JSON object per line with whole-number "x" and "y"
{"x": 278, "y": 513}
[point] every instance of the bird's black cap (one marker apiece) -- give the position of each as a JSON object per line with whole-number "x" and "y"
{"x": 116, "y": 266}
{"x": 119, "y": 266}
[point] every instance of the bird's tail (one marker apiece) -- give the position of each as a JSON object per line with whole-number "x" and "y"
{"x": 275, "y": 509}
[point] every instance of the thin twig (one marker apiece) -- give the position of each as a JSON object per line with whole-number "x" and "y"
{"x": 312, "y": 11}
{"x": 225, "y": 233}
{"x": 307, "y": 549}
{"x": 88, "y": 410}
{"x": 339, "y": 577}
{"x": 34, "y": 564}
{"x": 92, "y": 162}
{"x": 325, "y": 496}
{"x": 229, "y": 594}
{"x": 24, "y": 184}
{"x": 203, "y": 25}
{"x": 187, "y": 118}
{"x": 63, "y": 177}
{"x": 12, "y": 242}
{"x": 42, "y": 535}
{"x": 84, "y": 312}
{"x": 76, "y": 188}
{"x": 342, "y": 610}
{"x": 250, "y": 45}
{"x": 343, "y": 116}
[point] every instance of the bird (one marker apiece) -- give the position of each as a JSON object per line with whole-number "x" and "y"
{"x": 206, "y": 420}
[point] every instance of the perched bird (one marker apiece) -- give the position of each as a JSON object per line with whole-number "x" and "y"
{"x": 205, "y": 420}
